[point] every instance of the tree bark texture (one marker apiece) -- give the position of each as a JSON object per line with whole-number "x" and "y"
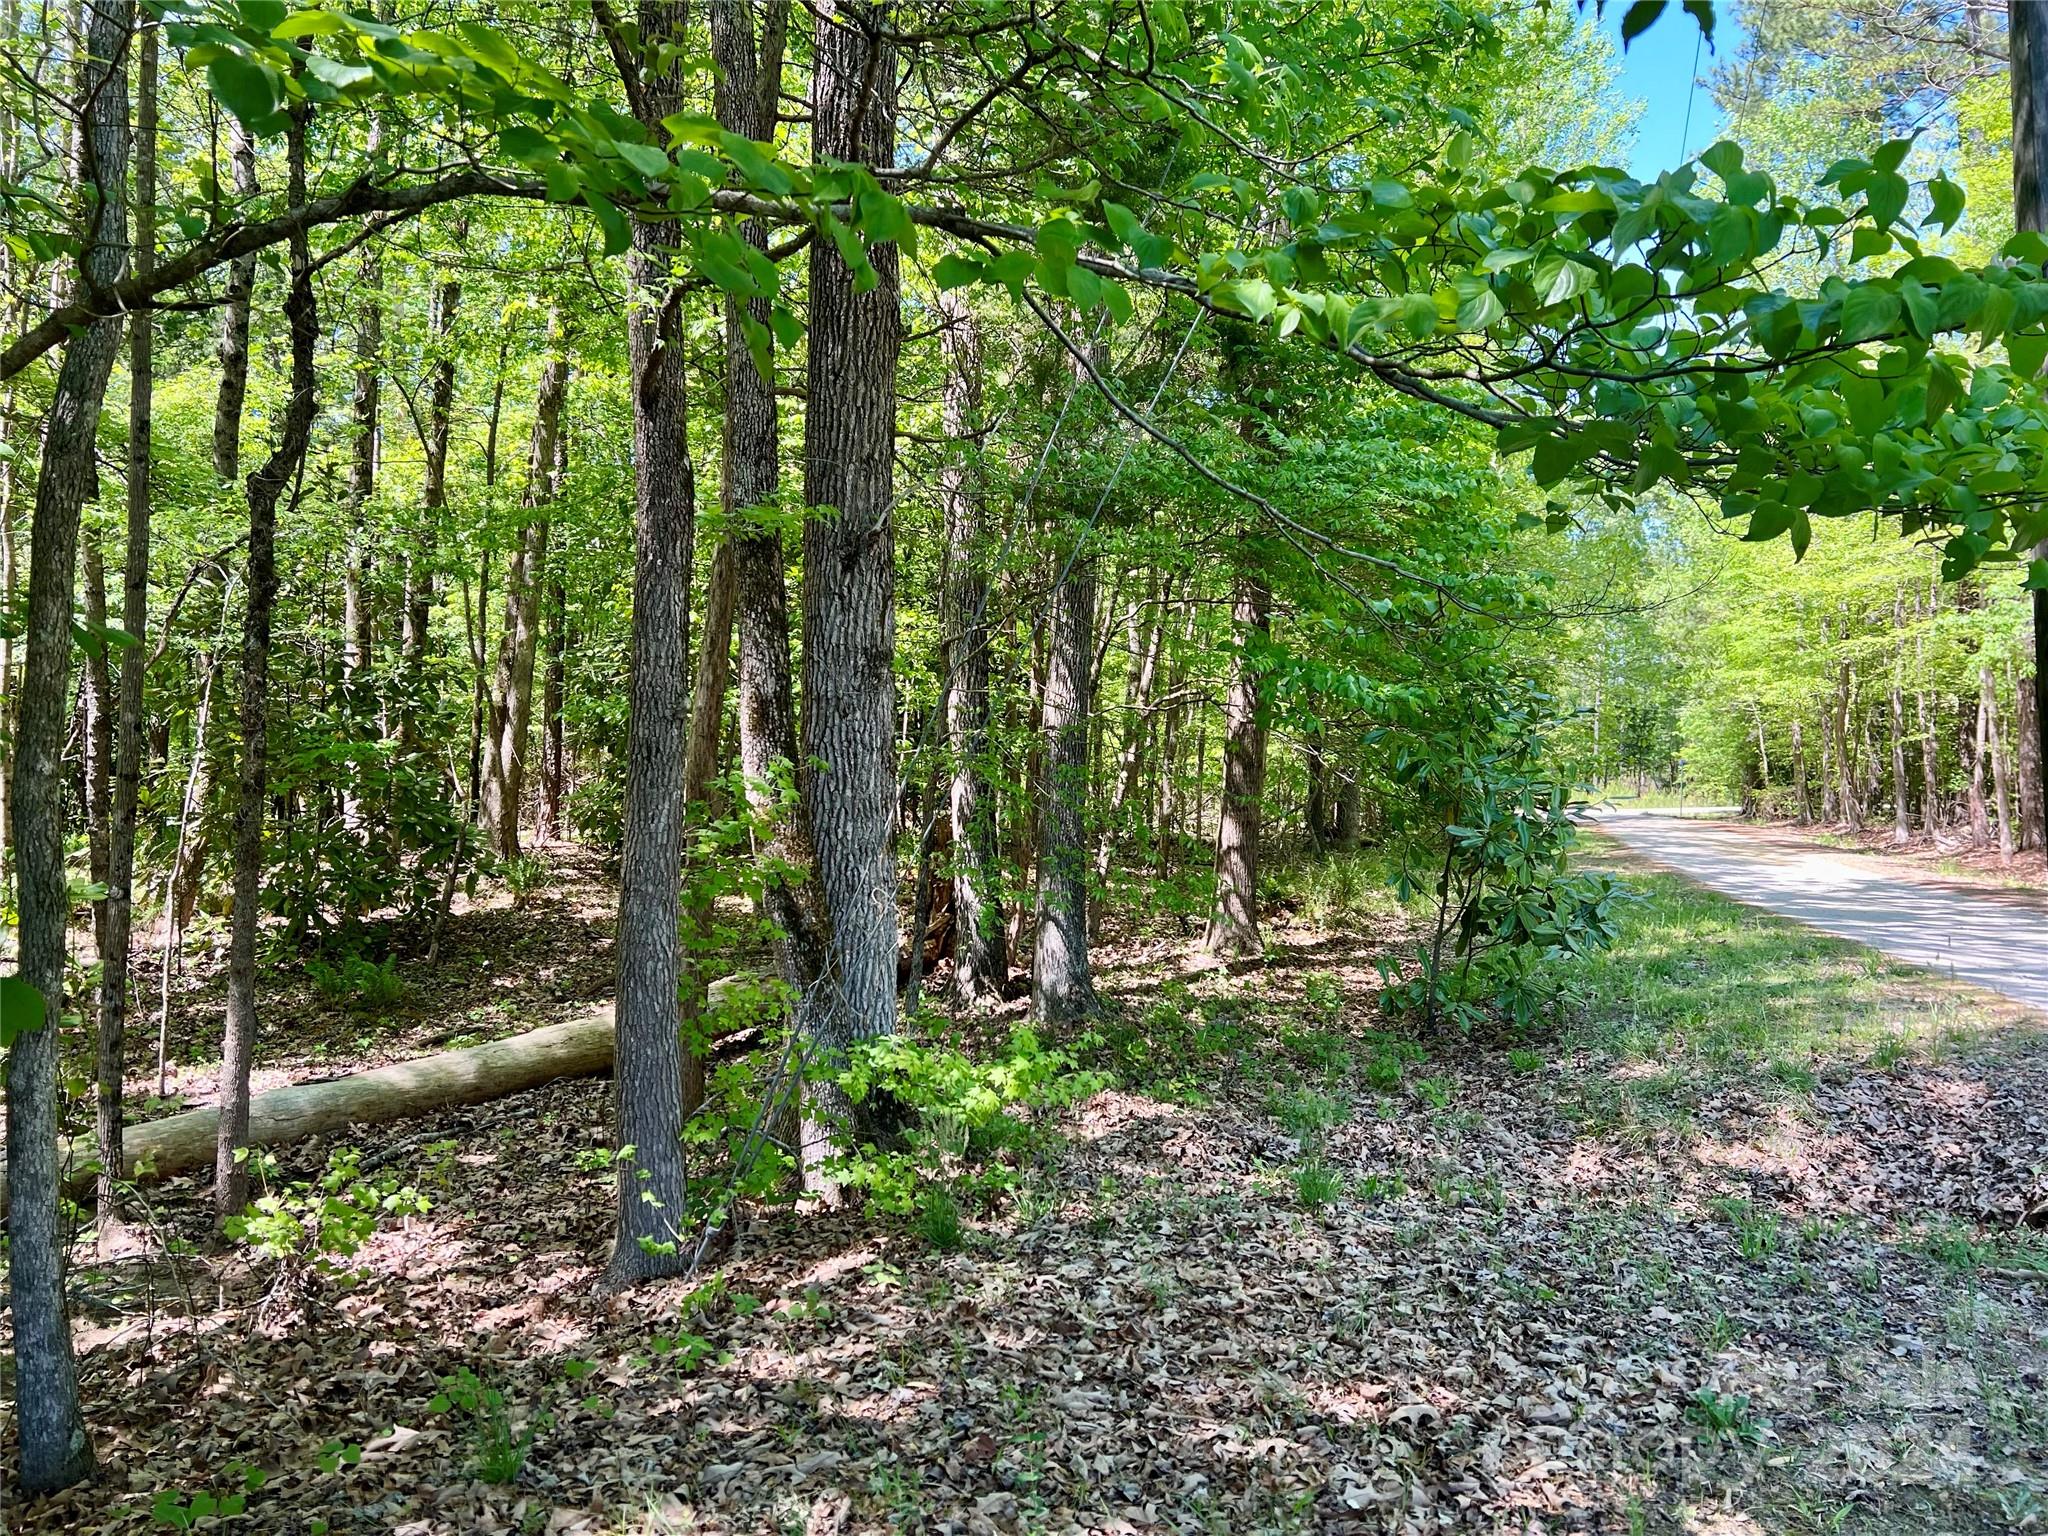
{"x": 240, "y": 288}
{"x": 266, "y": 488}
{"x": 115, "y": 945}
{"x": 55, "y": 1450}
{"x": 511, "y": 715}
{"x": 1234, "y": 920}
{"x": 981, "y": 962}
{"x": 647, "y": 1085}
{"x": 1062, "y": 982}
{"x": 848, "y": 776}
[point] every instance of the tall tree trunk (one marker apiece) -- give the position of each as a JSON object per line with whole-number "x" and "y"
{"x": 440, "y": 415}
{"x": 1846, "y": 798}
{"x": 1147, "y": 642}
{"x": 511, "y": 722}
{"x": 55, "y": 1451}
{"x": 2027, "y": 47}
{"x": 1991, "y": 748}
{"x": 700, "y": 767}
{"x": 1902, "y": 821}
{"x": 1062, "y": 985}
{"x": 1315, "y": 811}
{"x": 99, "y": 730}
{"x": 358, "y": 621}
{"x": 554, "y": 746}
{"x": 1347, "y": 811}
{"x": 480, "y": 631}
{"x": 647, "y": 1079}
{"x": 749, "y": 58}
{"x": 981, "y": 961}
{"x": 128, "y": 723}
{"x": 2031, "y": 828}
{"x": 1930, "y": 744}
{"x": 1802, "y": 796}
{"x": 1234, "y": 920}
{"x": 1980, "y": 817}
{"x": 233, "y": 354}
{"x": 266, "y": 488}
{"x": 848, "y": 775}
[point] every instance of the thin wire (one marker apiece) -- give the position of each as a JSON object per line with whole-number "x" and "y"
{"x": 1692, "y": 92}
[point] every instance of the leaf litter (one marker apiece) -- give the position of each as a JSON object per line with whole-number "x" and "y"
{"x": 1509, "y": 1319}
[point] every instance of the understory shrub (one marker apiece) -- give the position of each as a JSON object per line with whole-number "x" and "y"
{"x": 1501, "y": 897}
{"x": 323, "y": 1224}
{"x": 971, "y": 1124}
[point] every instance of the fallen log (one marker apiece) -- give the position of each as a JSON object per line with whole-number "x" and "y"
{"x": 578, "y": 1047}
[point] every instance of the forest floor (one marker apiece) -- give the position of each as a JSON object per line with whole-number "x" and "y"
{"x": 1740, "y": 1246}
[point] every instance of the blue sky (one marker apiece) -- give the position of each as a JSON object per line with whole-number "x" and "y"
{"x": 1657, "y": 70}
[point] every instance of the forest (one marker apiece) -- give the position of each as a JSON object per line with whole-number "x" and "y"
{"x": 851, "y": 765}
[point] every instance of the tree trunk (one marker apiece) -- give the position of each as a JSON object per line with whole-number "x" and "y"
{"x": 1989, "y": 737}
{"x": 848, "y": 775}
{"x": 99, "y": 731}
{"x": 1062, "y": 985}
{"x": 647, "y": 1086}
{"x": 1980, "y": 818}
{"x": 981, "y": 961}
{"x": 511, "y": 714}
{"x": 1846, "y": 798}
{"x": 1234, "y": 920}
{"x": 1902, "y": 822}
{"x": 55, "y": 1451}
{"x": 156, "y": 1149}
{"x": 1802, "y": 797}
{"x": 749, "y": 78}
{"x": 1315, "y": 811}
{"x": 1147, "y": 641}
{"x": 358, "y": 621}
{"x": 700, "y": 767}
{"x": 2027, "y": 48}
{"x": 233, "y": 352}
{"x": 419, "y": 570}
{"x": 2031, "y": 828}
{"x": 1347, "y": 812}
{"x": 128, "y": 723}
{"x": 554, "y": 764}
{"x": 266, "y": 487}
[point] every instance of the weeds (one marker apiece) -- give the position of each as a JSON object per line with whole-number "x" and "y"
{"x": 1728, "y": 1416}
{"x": 497, "y": 1452}
{"x": 1316, "y": 1184}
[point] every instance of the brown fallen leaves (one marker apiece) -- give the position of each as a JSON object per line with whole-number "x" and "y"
{"x": 1503, "y": 1323}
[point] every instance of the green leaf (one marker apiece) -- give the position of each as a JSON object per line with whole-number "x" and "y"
{"x": 761, "y": 172}
{"x": 617, "y": 234}
{"x": 335, "y": 72}
{"x": 956, "y": 271}
{"x": 526, "y": 144}
{"x": 21, "y": 1009}
{"x": 1478, "y": 306}
{"x": 1559, "y": 279}
{"x": 1947, "y": 198}
{"x": 644, "y": 158}
{"x": 1869, "y": 309}
{"x": 885, "y": 221}
{"x": 251, "y": 90}
{"x": 1638, "y": 19}
{"x": 1886, "y": 199}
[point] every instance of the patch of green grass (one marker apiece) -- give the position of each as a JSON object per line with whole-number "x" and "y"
{"x": 1316, "y": 1183}
{"x": 938, "y": 1221}
{"x": 1712, "y": 991}
{"x": 1304, "y": 1112}
{"x": 1756, "y": 1232}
